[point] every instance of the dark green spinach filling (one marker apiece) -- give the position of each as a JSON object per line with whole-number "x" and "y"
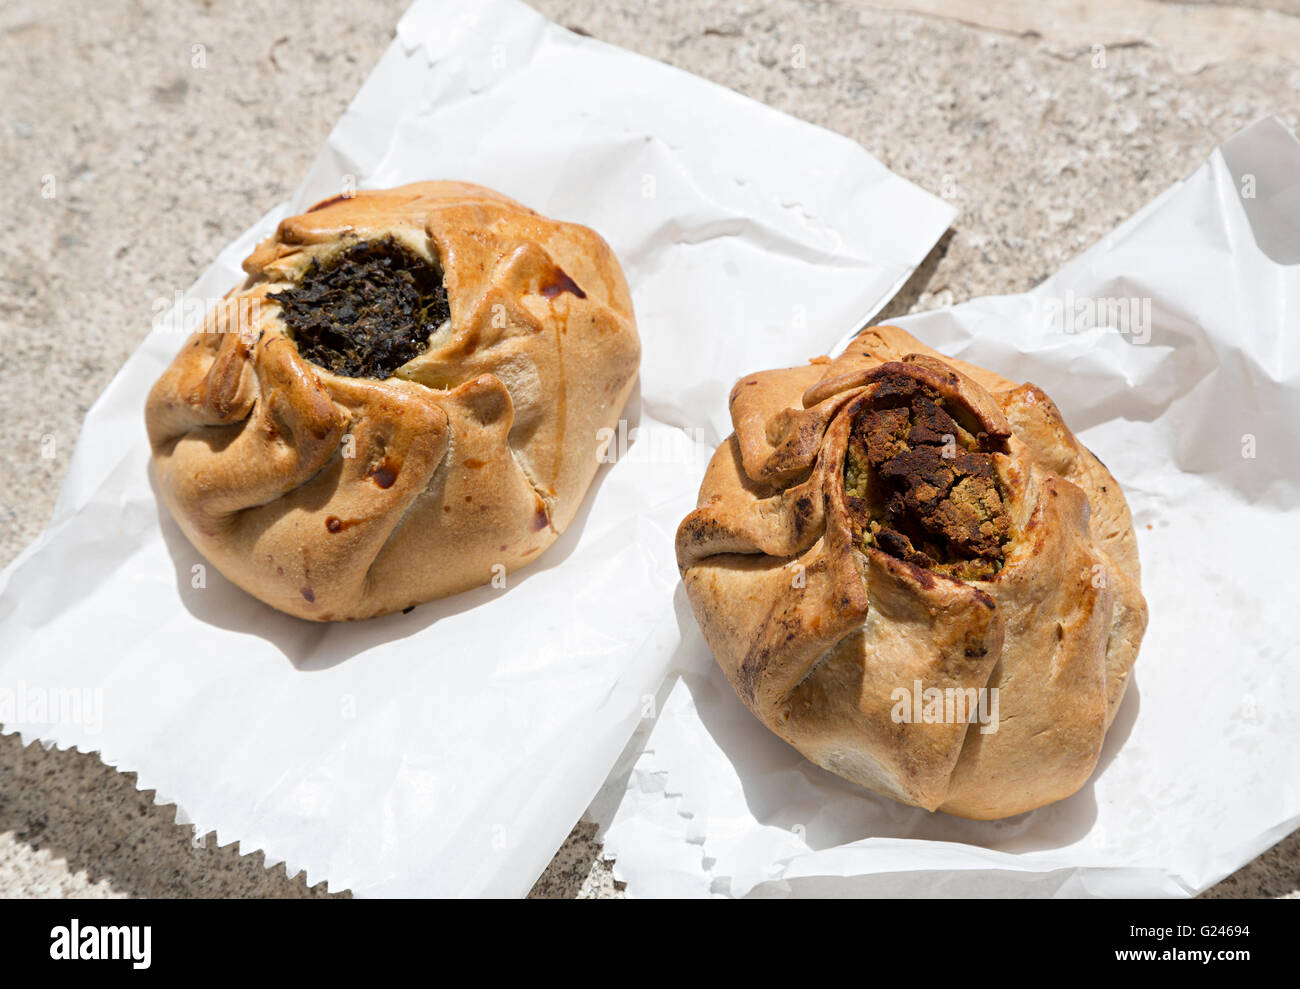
{"x": 366, "y": 311}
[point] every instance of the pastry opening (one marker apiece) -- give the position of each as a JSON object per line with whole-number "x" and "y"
{"x": 367, "y": 310}
{"x": 922, "y": 487}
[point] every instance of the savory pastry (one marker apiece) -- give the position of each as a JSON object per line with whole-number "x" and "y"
{"x": 890, "y": 539}
{"x": 402, "y": 400}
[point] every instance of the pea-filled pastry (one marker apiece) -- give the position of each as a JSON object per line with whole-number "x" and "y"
{"x": 402, "y": 401}
{"x": 911, "y": 571}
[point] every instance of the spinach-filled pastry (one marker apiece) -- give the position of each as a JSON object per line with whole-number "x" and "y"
{"x": 402, "y": 401}
{"x": 911, "y": 571}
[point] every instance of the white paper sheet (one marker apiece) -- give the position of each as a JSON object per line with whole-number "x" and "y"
{"x": 1200, "y": 771}
{"x": 449, "y": 751}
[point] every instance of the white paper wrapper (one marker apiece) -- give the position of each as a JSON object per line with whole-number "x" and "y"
{"x": 1195, "y": 413}
{"x": 449, "y": 751}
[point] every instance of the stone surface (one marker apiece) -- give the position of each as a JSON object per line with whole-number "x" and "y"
{"x": 164, "y": 130}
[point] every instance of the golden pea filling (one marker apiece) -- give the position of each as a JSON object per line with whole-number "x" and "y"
{"x": 919, "y": 487}
{"x": 366, "y": 311}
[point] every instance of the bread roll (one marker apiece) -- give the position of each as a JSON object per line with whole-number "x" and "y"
{"x": 911, "y": 571}
{"x": 401, "y": 402}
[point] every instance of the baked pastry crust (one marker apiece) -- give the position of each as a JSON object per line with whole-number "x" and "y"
{"x": 333, "y": 497}
{"x": 816, "y": 628}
